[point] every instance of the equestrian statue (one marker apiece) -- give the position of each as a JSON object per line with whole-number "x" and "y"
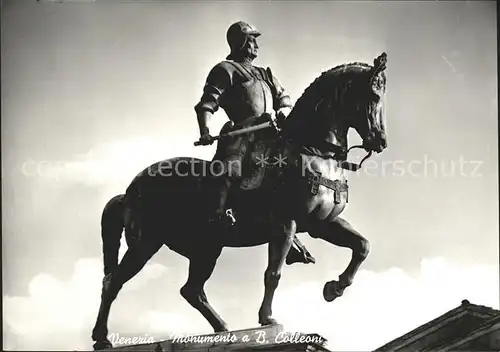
{"x": 279, "y": 169}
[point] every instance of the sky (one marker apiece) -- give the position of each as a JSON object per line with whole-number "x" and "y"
{"x": 92, "y": 92}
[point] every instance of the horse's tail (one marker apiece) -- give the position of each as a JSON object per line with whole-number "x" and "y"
{"x": 112, "y": 225}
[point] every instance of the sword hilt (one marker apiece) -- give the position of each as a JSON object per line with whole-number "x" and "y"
{"x": 238, "y": 132}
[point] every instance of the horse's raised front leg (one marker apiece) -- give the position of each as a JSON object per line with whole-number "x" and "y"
{"x": 339, "y": 232}
{"x": 201, "y": 267}
{"x": 133, "y": 261}
{"x": 279, "y": 246}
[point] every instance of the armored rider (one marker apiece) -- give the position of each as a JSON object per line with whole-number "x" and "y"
{"x": 245, "y": 92}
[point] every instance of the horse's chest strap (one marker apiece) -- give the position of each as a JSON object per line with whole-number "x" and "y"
{"x": 315, "y": 180}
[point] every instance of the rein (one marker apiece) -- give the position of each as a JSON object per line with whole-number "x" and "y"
{"x": 347, "y": 165}
{"x": 324, "y": 146}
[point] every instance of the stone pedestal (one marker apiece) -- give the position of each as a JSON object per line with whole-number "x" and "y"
{"x": 268, "y": 338}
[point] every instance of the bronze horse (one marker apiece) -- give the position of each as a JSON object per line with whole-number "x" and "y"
{"x": 306, "y": 195}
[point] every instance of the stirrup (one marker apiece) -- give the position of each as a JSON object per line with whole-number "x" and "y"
{"x": 229, "y": 214}
{"x": 227, "y": 219}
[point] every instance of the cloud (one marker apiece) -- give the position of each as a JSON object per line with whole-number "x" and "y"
{"x": 381, "y": 306}
{"x": 113, "y": 162}
{"x": 60, "y": 315}
{"x": 377, "y": 308}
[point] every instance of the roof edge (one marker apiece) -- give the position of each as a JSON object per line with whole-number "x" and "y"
{"x": 463, "y": 309}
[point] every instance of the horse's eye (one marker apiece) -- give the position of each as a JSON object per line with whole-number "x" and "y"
{"x": 378, "y": 84}
{"x": 378, "y": 87}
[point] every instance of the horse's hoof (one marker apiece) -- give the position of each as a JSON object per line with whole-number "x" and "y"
{"x": 102, "y": 345}
{"x": 332, "y": 290}
{"x": 221, "y": 329}
{"x": 268, "y": 321}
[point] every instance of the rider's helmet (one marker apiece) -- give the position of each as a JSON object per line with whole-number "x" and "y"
{"x": 237, "y": 36}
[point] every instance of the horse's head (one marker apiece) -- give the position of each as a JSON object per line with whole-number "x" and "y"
{"x": 369, "y": 116}
{"x": 347, "y": 96}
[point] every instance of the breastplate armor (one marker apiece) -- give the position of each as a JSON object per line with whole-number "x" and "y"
{"x": 251, "y": 96}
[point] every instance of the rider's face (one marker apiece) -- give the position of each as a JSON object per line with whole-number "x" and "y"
{"x": 251, "y": 47}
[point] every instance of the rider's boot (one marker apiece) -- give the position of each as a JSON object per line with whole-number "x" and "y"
{"x": 218, "y": 217}
{"x": 299, "y": 254}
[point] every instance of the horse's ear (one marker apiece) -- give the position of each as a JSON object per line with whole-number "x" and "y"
{"x": 379, "y": 64}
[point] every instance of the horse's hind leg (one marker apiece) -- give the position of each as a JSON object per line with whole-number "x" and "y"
{"x": 133, "y": 261}
{"x": 339, "y": 232}
{"x": 201, "y": 268}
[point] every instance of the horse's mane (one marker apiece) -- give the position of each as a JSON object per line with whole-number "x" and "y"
{"x": 331, "y": 90}
{"x": 315, "y": 91}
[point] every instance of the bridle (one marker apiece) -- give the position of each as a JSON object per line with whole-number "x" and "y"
{"x": 339, "y": 153}
{"x": 347, "y": 165}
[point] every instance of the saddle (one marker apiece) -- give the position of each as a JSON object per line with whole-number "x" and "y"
{"x": 255, "y": 165}
{"x": 263, "y": 161}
